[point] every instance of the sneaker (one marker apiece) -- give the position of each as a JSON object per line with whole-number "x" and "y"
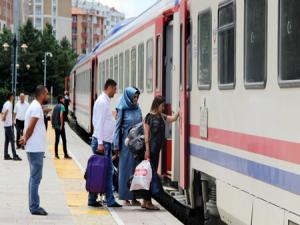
{"x": 7, "y": 157}
{"x": 115, "y": 205}
{"x": 57, "y": 157}
{"x": 40, "y": 212}
{"x": 17, "y": 158}
{"x": 68, "y": 157}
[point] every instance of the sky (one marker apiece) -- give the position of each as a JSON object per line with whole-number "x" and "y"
{"x": 131, "y": 8}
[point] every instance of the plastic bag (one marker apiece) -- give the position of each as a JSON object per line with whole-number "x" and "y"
{"x": 142, "y": 176}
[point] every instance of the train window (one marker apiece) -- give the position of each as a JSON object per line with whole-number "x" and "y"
{"x": 111, "y": 68}
{"x": 255, "y": 43}
{"x": 103, "y": 75}
{"x": 226, "y": 49}
{"x": 133, "y": 67}
{"x": 107, "y": 70}
{"x": 126, "y": 81}
{"x": 116, "y": 68}
{"x": 121, "y": 61}
{"x": 204, "y": 50}
{"x": 141, "y": 66}
{"x": 149, "y": 66}
{"x": 158, "y": 63}
{"x": 289, "y": 43}
{"x": 99, "y": 79}
{"x": 189, "y": 57}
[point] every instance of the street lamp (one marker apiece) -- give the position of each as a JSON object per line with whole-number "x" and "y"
{"x": 45, "y": 66}
{"x": 5, "y": 46}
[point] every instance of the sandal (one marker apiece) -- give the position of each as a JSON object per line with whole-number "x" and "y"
{"x": 151, "y": 207}
{"x": 135, "y": 203}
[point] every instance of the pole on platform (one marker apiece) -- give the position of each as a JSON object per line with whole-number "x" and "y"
{"x": 45, "y": 69}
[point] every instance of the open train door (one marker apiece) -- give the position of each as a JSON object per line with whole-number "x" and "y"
{"x": 183, "y": 95}
{"x": 179, "y": 97}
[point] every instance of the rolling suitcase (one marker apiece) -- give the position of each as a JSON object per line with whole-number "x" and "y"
{"x": 96, "y": 174}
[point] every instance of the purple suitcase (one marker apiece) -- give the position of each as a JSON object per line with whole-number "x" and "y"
{"x": 97, "y": 174}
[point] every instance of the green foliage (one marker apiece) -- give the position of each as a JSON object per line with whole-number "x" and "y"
{"x": 58, "y": 67}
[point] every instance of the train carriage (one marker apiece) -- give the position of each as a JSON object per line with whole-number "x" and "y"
{"x": 232, "y": 68}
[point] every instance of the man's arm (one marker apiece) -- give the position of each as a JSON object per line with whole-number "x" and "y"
{"x": 29, "y": 130}
{"x": 4, "y": 115}
{"x": 61, "y": 117}
{"x": 99, "y": 113}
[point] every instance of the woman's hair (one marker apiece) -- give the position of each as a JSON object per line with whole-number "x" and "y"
{"x": 157, "y": 101}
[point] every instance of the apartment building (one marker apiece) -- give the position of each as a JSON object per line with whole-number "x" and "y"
{"x": 55, "y": 12}
{"x": 6, "y": 14}
{"x": 87, "y": 30}
{"x": 111, "y": 16}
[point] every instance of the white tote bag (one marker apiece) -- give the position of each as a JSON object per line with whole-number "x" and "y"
{"x": 142, "y": 176}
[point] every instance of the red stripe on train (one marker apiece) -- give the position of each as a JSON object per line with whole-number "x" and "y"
{"x": 274, "y": 148}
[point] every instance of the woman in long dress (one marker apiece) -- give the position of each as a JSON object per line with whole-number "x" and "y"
{"x": 128, "y": 115}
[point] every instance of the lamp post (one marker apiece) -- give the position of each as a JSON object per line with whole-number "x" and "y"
{"x": 15, "y": 65}
{"x": 45, "y": 66}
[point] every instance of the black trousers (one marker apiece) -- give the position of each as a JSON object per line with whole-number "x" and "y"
{"x": 9, "y": 138}
{"x": 61, "y": 133}
{"x": 20, "y": 129}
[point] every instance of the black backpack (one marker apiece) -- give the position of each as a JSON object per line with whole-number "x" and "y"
{"x": 136, "y": 141}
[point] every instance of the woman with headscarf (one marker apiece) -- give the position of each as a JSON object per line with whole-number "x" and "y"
{"x": 128, "y": 115}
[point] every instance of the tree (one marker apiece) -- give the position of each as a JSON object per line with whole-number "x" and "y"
{"x": 58, "y": 67}
{"x": 5, "y": 64}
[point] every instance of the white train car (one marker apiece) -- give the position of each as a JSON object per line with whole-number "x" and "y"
{"x": 82, "y": 93}
{"x": 232, "y": 68}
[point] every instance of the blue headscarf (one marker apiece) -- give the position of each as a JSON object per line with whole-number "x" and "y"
{"x": 126, "y": 99}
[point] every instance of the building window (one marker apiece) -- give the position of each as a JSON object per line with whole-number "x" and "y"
{"x": 149, "y": 66}
{"x": 38, "y": 23}
{"x": 133, "y": 67}
{"x": 126, "y": 81}
{"x": 289, "y": 47}
{"x": 255, "y": 43}
{"x": 121, "y": 62}
{"x": 204, "y": 50}
{"x": 116, "y": 68}
{"x": 38, "y": 10}
{"x": 141, "y": 58}
{"x": 226, "y": 49}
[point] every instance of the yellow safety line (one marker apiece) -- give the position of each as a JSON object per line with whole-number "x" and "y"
{"x": 74, "y": 185}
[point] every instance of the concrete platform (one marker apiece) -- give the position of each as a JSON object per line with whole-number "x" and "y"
{"x": 62, "y": 191}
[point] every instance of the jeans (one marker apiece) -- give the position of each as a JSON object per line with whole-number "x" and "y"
{"x": 9, "y": 138}
{"x": 61, "y": 133}
{"x": 20, "y": 128}
{"x": 36, "y": 170}
{"x": 109, "y": 185}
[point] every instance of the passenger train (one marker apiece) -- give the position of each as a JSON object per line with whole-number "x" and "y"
{"x": 233, "y": 69}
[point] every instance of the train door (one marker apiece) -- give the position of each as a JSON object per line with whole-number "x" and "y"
{"x": 175, "y": 98}
{"x": 167, "y": 81}
{"x": 179, "y": 96}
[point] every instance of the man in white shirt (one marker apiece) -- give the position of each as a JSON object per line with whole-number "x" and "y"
{"x": 104, "y": 126}
{"x": 19, "y": 116}
{"x": 35, "y": 145}
{"x": 8, "y": 127}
